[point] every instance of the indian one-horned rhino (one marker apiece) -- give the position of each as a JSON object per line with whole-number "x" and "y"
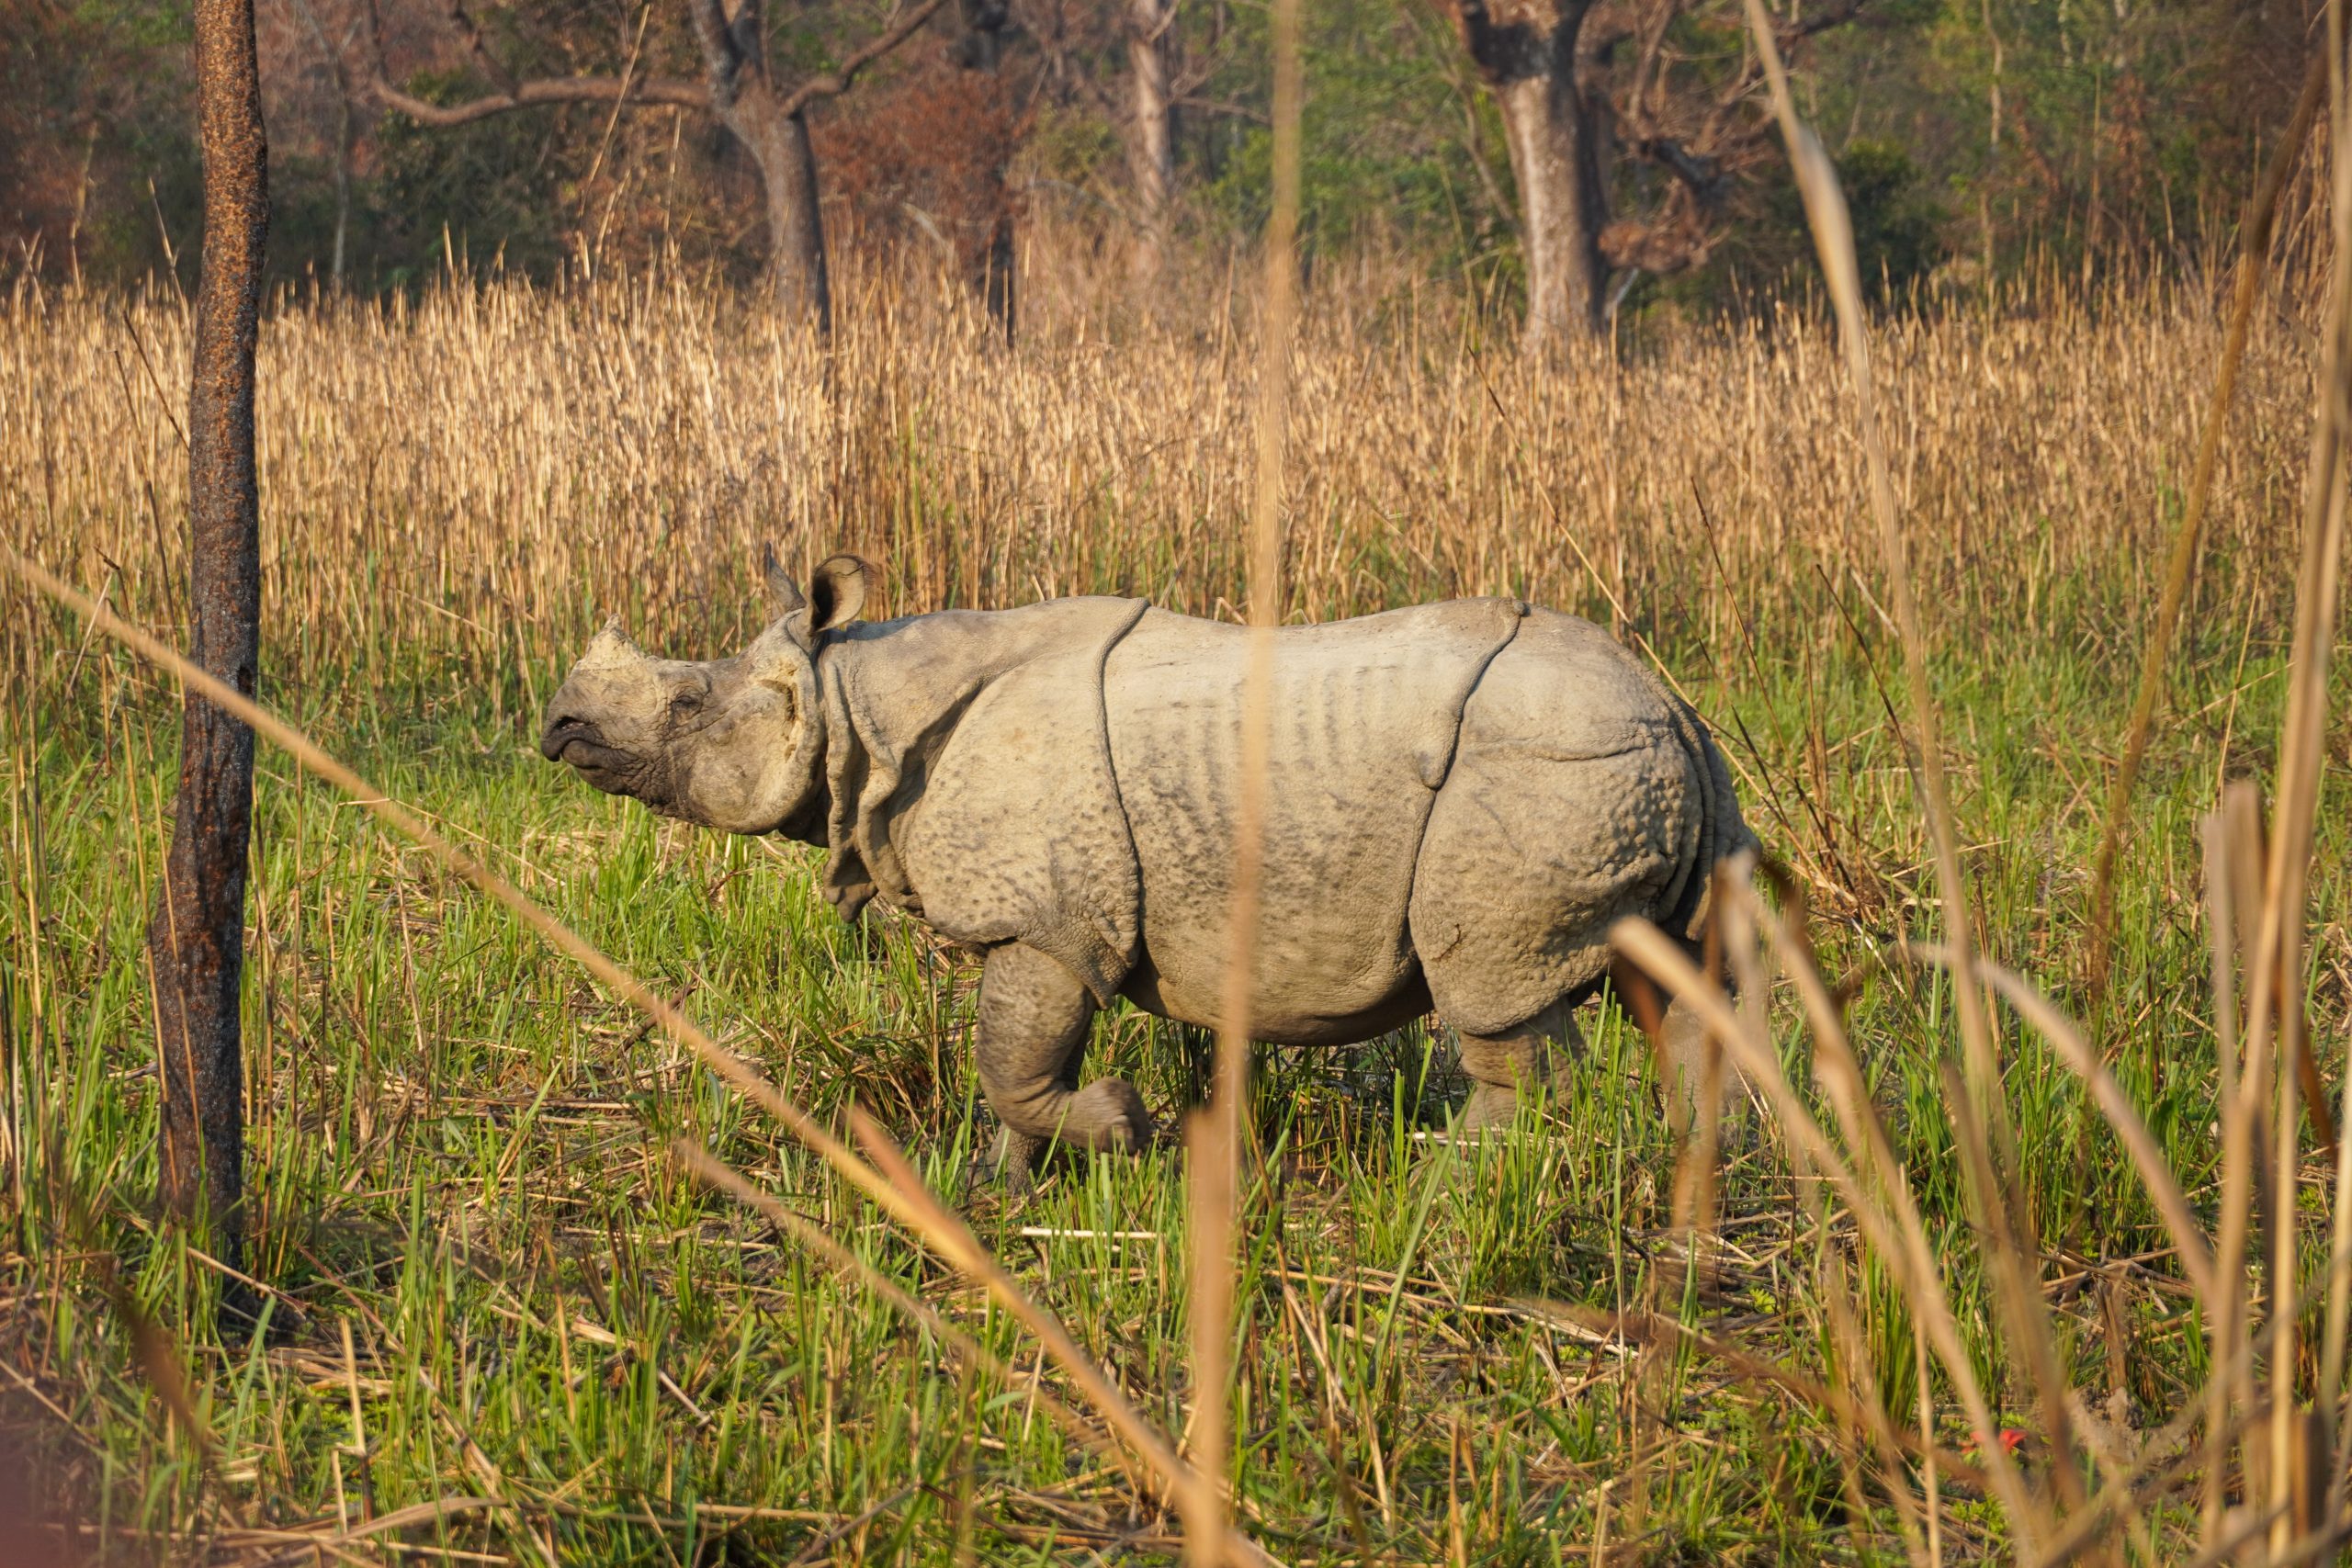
{"x": 1463, "y": 798}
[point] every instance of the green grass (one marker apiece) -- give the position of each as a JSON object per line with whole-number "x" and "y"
{"x": 459, "y": 1152}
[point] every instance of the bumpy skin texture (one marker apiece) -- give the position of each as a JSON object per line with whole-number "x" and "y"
{"x": 1463, "y": 798}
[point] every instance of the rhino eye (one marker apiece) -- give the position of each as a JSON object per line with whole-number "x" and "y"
{"x": 687, "y": 701}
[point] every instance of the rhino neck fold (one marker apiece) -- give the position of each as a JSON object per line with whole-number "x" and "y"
{"x": 969, "y": 777}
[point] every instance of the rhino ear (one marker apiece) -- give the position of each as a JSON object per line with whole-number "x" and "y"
{"x": 783, "y": 594}
{"x": 836, "y": 593}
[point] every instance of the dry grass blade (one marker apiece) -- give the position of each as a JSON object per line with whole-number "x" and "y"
{"x": 2165, "y": 1454}
{"x": 1824, "y": 208}
{"x": 709, "y": 1170}
{"x": 1992, "y": 1168}
{"x": 931, "y": 1219}
{"x": 2278, "y": 953}
{"x": 898, "y": 1194}
{"x": 2189, "y": 1237}
{"x": 1839, "y": 1073}
{"x": 1215, "y": 1145}
{"x": 2228, "y": 846}
{"x": 2253, "y": 251}
{"x": 1901, "y": 1238}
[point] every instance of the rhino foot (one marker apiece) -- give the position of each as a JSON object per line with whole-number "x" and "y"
{"x": 1507, "y": 1069}
{"x": 1491, "y": 1108}
{"x": 1105, "y": 1117}
{"x": 1108, "y": 1114}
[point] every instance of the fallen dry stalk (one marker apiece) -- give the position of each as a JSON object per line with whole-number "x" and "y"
{"x": 1899, "y": 1237}
{"x": 898, "y": 1193}
{"x": 712, "y": 1171}
{"x": 929, "y": 1218}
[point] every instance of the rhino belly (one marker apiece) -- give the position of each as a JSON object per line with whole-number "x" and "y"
{"x": 1364, "y": 719}
{"x": 1151, "y": 990}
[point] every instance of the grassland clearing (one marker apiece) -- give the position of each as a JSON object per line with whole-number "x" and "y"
{"x": 459, "y": 1146}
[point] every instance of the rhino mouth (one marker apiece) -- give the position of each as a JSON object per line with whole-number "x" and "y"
{"x": 581, "y": 746}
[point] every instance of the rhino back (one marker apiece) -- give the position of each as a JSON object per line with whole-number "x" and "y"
{"x": 1578, "y": 794}
{"x": 1365, "y": 714}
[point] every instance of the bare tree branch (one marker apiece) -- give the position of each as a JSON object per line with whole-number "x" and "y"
{"x": 839, "y": 79}
{"x": 552, "y": 90}
{"x": 1820, "y": 22}
{"x": 1699, "y": 172}
{"x": 513, "y": 94}
{"x": 1219, "y": 107}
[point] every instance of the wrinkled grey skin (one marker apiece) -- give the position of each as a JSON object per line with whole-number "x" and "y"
{"x": 1463, "y": 798}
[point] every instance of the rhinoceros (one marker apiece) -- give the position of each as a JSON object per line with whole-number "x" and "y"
{"x": 1462, "y": 799}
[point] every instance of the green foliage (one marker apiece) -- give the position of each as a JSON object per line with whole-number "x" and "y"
{"x": 481, "y": 191}
{"x": 1898, "y": 224}
{"x": 1390, "y": 140}
{"x": 1991, "y": 135}
{"x": 1898, "y": 237}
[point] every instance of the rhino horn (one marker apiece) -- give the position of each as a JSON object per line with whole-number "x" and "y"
{"x": 610, "y": 647}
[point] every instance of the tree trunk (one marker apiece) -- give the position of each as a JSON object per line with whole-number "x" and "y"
{"x": 986, "y": 22}
{"x": 1151, "y": 135}
{"x": 779, "y": 145}
{"x": 1527, "y": 58}
{"x": 195, "y": 941}
{"x": 346, "y": 137}
{"x": 1555, "y": 159}
{"x": 996, "y": 280}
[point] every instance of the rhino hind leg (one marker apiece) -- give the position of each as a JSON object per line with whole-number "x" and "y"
{"x": 1698, "y": 1080}
{"x": 1508, "y": 1067}
{"x": 1034, "y": 1020}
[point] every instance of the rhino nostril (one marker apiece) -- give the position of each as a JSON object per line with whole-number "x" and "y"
{"x": 562, "y": 730}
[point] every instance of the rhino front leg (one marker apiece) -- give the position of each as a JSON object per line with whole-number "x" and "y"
{"x": 1505, "y": 1068}
{"x": 1035, "y": 1017}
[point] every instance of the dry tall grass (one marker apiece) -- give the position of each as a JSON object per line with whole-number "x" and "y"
{"x": 488, "y": 469}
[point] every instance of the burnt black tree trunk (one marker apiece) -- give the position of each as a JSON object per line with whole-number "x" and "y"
{"x": 195, "y": 942}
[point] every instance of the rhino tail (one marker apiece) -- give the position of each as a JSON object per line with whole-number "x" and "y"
{"x": 1723, "y": 832}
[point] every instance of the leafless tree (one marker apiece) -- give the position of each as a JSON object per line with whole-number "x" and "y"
{"x": 195, "y": 939}
{"x": 739, "y": 88}
{"x": 1582, "y": 84}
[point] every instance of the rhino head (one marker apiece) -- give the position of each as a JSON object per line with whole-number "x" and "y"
{"x": 731, "y": 743}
